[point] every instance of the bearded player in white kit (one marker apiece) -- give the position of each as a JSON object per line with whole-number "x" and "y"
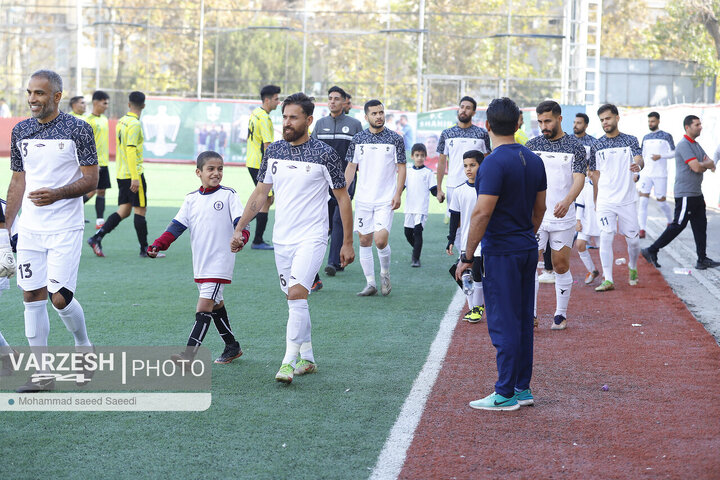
{"x": 299, "y": 169}
{"x": 53, "y": 158}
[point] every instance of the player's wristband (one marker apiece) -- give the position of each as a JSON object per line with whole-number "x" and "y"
{"x": 465, "y": 260}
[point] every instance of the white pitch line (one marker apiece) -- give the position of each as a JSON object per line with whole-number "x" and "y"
{"x": 392, "y": 456}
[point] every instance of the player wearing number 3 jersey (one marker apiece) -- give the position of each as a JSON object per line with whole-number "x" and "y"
{"x": 299, "y": 169}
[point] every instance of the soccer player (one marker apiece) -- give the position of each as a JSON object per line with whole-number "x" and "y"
{"x": 78, "y": 107}
{"x": 348, "y": 104}
{"x": 132, "y": 189}
{"x": 510, "y": 207}
{"x": 617, "y": 157}
{"x": 520, "y": 136}
{"x": 565, "y": 166}
{"x": 461, "y": 208}
{"x": 580, "y": 126}
{"x": 7, "y": 270}
{"x": 53, "y": 158}
{"x": 300, "y": 169}
{"x": 99, "y": 123}
{"x": 260, "y": 136}
{"x": 337, "y": 130}
{"x": 210, "y": 214}
{"x": 454, "y": 142}
{"x": 379, "y": 155}
{"x": 418, "y": 181}
{"x": 657, "y": 148}
{"x": 691, "y": 162}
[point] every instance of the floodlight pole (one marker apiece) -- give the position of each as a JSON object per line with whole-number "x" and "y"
{"x": 200, "y": 48}
{"x": 78, "y": 41}
{"x": 421, "y": 37}
{"x": 304, "y": 54}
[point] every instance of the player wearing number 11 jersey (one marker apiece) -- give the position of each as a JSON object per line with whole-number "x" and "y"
{"x": 299, "y": 169}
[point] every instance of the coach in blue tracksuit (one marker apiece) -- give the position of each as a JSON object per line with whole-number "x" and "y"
{"x": 511, "y": 203}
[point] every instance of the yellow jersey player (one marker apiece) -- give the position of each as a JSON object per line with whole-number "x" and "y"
{"x": 99, "y": 123}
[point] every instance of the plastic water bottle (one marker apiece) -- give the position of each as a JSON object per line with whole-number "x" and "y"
{"x": 467, "y": 281}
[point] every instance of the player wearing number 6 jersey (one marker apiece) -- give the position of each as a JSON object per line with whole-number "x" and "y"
{"x": 617, "y": 157}
{"x": 54, "y": 164}
{"x": 299, "y": 169}
{"x": 565, "y": 165}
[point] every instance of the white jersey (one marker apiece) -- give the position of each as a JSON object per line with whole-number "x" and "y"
{"x": 463, "y": 202}
{"x": 657, "y": 143}
{"x": 418, "y": 183}
{"x": 300, "y": 176}
{"x": 376, "y": 155}
{"x": 51, "y": 154}
{"x": 613, "y": 158}
{"x": 562, "y": 158}
{"x": 454, "y": 142}
{"x": 211, "y": 216}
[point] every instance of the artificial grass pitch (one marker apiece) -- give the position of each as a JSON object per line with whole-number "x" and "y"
{"x": 326, "y": 425}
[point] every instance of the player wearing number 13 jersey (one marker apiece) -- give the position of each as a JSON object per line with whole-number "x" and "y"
{"x": 54, "y": 164}
{"x": 617, "y": 156}
{"x": 299, "y": 169}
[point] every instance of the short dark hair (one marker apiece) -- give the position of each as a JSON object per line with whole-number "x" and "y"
{"x": 689, "y": 120}
{"x": 502, "y": 116}
{"x": 52, "y": 77}
{"x": 418, "y": 147}
{"x": 654, "y": 114}
{"x": 205, "y": 156}
{"x": 608, "y": 106}
{"x": 75, "y": 100}
{"x": 469, "y": 99}
{"x": 549, "y": 106}
{"x": 137, "y": 99}
{"x": 348, "y": 96}
{"x": 476, "y": 154}
{"x": 268, "y": 91}
{"x": 338, "y": 90}
{"x": 584, "y": 117}
{"x": 371, "y": 103}
{"x": 100, "y": 95}
{"x": 306, "y": 103}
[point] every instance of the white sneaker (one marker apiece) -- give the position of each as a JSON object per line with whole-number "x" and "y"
{"x": 368, "y": 291}
{"x": 546, "y": 277}
{"x": 385, "y": 284}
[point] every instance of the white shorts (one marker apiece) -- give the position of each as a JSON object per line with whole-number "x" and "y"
{"x": 372, "y": 218}
{"x": 558, "y": 239}
{"x": 619, "y": 218}
{"x": 412, "y": 219}
{"x": 299, "y": 263}
{"x": 211, "y": 291}
{"x": 48, "y": 260}
{"x": 584, "y": 236}
{"x": 659, "y": 184}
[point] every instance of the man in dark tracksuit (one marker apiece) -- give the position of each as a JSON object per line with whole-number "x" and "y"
{"x": 510, "y": 206}
{"x": 337, "y": 130}
{"x": 691, "y": 162}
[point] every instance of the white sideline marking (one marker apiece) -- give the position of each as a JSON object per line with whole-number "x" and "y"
{"x": 392, "y": 456}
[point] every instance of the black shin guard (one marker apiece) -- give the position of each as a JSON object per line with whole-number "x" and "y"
{"x": 99, "y": 207}
{"x": 409, "y": 236}
{"x": 200, "y": 328}
{"x": 260, "y": 224}
{"x": 222, "y": 323}
{"x": 141, "y": 230}
{"x": 110, "y": 224}
{"x": 417, "y": 246}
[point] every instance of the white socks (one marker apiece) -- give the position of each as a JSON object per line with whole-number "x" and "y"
{"x": 537, "y": 287}
{"x": 37, "y": 323}
{"x": 606, "y": 254}
{"x": 74, "y": 319}
{"x": 478, "y": 296}
{"x": 306, "y": 352}
{"x": 666, "y": 210}
{"x": 642, "y": 211}
{"x": 633, "y": 252}
{"x": 563, "y": 286}
{"x": 298, "y": 329}
{"x": 367, "y": 261}
{"x": 384, "y": 256}
{"x": 587, "y": 261}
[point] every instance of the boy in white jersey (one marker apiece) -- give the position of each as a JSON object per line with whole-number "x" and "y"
{"x": 210, "y": 213}
{"x": 379, "y": 155}
{"x": 617, "y": 157}
{"x": 461, "y": 206}
{"x": 565, "y": 162}
{"x": 299, "y": 169}
{"x": 419, "y": 180}
{"x": 54, "y": 164}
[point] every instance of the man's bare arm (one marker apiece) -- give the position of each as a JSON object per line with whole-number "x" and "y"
{"x": 538, "y": 210}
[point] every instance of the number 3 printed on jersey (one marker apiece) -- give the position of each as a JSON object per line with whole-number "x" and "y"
{"x": 24, "y": 149}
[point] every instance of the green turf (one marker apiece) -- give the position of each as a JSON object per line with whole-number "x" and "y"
{"x": 327, "y": 425}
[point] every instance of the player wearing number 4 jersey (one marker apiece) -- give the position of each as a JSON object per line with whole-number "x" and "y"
{"x": 617, "y": 156}
{"x": 379, "y": 155}
{"x": 54, "y": 164}
{"x": 299, "y": 169}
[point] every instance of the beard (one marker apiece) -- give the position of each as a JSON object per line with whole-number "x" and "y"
{"x": 463, "y": 118}
{"x": 290, "y": 134}
{"x": 577, "y": 131}
{"x": 378, "y": 123}
{"x": 550, "y": 133}
{"x": 45, "y": 111}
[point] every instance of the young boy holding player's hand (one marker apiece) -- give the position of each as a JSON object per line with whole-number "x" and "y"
{"x": 419, "y": 181}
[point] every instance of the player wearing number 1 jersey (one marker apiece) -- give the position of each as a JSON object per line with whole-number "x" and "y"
{"x": 565, "y": 165}
{"x": 617, "y": 156}
{"x": 299, "y": 169}
{"x": 54, "y": 164}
